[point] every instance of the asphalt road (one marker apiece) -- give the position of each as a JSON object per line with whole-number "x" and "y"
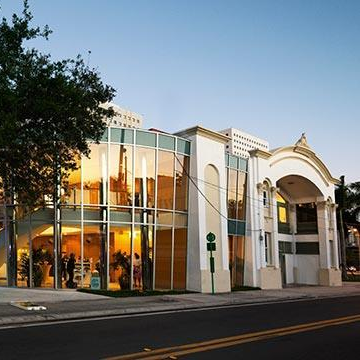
{"x": 269, "y": 331}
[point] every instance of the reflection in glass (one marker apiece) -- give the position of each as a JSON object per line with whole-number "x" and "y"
{"x": 120, "y": 257}
{"x": 94, "y": 175}
{"x": 241, "y": 195}
{"x": 145, "y": 177}
{"x": 165, "y": 180}
{"x": 231, "y": 193}
{"x": 120, "y": 173}
{"x": 180, "y": 248}
{"x": 182, "y": 169}
{"x": 180, "y": 220}
{"x": 164, "y": 217}
{"x": 163, "y": 257}
{"x": 73, "y": 188}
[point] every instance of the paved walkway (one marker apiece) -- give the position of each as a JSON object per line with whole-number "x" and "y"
{"x": 70, "y": 304}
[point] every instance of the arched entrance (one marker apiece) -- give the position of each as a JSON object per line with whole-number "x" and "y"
{"x": 305, "y": 237}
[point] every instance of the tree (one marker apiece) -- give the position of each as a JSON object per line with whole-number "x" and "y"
{"x": 348, "y": 200}
{"x": 49, "y": 110}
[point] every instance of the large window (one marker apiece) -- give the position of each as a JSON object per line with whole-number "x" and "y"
{"x": 163, "y": 255}
{"x": 180, "y": 250}
{"x": 236, "y": 260}
{"x": 70, "y": 263}
{"x": 120, "y": 257}
{"x": 283, "y": 215}
{"x": 306, "y": 218}
{"x": 120, "y": 175}
{"x": 268, "y": 249}
{"x": 94, "y": 261}
{"x": 165, "y": 180}
{"x": 236, "y": 193}
{"x": 95, "y": 175}
{"x": 232, "y": 186}
{"x": 143, "y": 257}
{"x": 145, "y": 177}
{"x": 182, "y": 171}
{"x": 72, "y": 195}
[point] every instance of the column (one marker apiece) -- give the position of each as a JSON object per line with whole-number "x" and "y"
{"x": 274, "y": 234}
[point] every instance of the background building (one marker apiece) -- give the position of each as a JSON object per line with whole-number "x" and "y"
{"x": 240, "y": 142}
{"x": 125, "y": 118}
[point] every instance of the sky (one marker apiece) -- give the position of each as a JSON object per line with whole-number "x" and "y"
{"x": 272, "y": 68}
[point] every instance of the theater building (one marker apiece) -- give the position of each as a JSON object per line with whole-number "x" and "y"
{"x": 137, "y": 212}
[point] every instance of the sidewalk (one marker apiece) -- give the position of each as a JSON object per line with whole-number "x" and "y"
{"x": 69, "y": 304}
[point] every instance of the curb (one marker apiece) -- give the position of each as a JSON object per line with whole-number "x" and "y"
{"x": 18, "y": 321}
{"x": 103, "y": 314}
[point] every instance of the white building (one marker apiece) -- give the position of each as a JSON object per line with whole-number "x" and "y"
{"x": 125, "y": 118}
{"x": 287, "y": 235}
{"x": 240, "y": 142}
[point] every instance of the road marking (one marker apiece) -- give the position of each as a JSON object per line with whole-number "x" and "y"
{"x": 54, "y": 321}
{"x": 181, "y": 350}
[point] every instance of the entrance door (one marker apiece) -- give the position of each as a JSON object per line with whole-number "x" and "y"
{"x": 236, "y": 260}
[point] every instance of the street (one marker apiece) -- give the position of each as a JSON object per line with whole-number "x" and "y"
{"x": 287, "y": 330}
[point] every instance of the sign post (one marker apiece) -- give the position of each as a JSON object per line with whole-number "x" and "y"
{"x": 211, "y": 246}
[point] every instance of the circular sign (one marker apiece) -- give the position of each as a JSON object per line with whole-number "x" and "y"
{"x": 210, "y": 237}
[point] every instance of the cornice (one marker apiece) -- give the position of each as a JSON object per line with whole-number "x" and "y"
{"x": 260, "y": 153}
{"x": 201, "y": 131}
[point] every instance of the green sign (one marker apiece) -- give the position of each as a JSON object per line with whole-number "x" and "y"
{"x": 210, "y": 237}
{"x": 211, "y": 246}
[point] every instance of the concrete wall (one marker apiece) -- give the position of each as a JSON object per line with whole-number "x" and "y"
{"x": 208, "y": 171}
{"x": 307, "y": 270}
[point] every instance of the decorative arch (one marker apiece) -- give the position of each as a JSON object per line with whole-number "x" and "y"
{"x": 307, "y": 156}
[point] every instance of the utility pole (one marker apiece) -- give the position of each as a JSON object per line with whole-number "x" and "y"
{"x": 341, "y": 223}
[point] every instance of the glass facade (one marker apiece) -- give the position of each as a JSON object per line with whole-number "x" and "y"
{"x": 121, "y": 222}
{"x": 236, "y": 205}
{"x": 236, "y": 194}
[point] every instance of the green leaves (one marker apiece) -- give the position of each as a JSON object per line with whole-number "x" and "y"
{"x": 48, "y": 111}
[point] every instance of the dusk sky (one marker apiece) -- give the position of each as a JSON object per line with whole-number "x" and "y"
{"x": 274, "y": 68}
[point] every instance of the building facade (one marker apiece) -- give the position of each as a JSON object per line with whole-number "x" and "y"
{"x": 136, "y": 215}
{"x": 240, "y": 142}
{"x": 292, "y": 234}
{"x": 122, "y": 221}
